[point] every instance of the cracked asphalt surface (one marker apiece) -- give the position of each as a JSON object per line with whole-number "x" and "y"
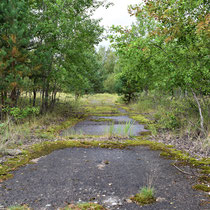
{"x": 106, "y": 176}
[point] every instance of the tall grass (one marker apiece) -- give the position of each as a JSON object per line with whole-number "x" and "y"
{"x": 124, "y": 130}
{"x": 111, "y": 130}
{"x": 19, "y": 132}
{"x": 128, "y": 128}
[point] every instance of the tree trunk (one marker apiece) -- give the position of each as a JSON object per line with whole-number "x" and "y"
{"x": 46, "y": 97}
{"x": 43, "y": 104}
{"x": 34, "y": 98}
{"x": 200, "y": 112}
{"x": 13, "y": 96}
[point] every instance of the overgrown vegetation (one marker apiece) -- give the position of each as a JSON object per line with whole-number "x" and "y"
{"x": 160, "y": 67}
{"x": 46, "y": 47}
{"x": 43, "y": 127}
{"x": 174, "y": 120}
{"x": 165, "y": 54}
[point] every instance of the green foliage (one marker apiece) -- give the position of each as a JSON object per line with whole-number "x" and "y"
{"x": 47, "y": 47}
{"x": 167, "y": 119}
{"x": 108, "y": 60}
{"x": 20, "y": 114}
{"x": 165, "y": 50}
{"x": 145, "y": 196}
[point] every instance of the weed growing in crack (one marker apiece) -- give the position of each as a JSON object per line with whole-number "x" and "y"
{"x": 111, "y": 129}
{"x": 127, "y": 129}
{"x": 122, "y": 130}
{"x": 145, "y": 196}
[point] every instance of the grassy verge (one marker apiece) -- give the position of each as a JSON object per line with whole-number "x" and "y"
{"x": 43, "y": 127}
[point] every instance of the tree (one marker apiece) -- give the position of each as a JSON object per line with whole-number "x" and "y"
{"x": 14, "y": 40}
{"x": 167, "y": 48}
{"x": 44, "y": 44}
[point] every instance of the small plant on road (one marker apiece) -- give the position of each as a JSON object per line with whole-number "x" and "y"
{"x": 111, "y": 129}
{"x": 123, "y": 129}
{"x": 127, "y": 128}
{"x": 145, "y": 196}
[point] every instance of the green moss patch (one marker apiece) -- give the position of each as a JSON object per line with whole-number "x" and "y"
{"x": 93, "y": 110}
{"x": 140, "y": 118}
{"x": 84, "y": 206}
{"x": 204, "y": 178}
{"x": 18, "y": 208}
{"x": 145, "y": 133}
{"x": 202, "y": 187}
{"x": 101, "y": 120}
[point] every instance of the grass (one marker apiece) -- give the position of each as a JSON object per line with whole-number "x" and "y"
{"x": 44, "y": 127}
{"x": 96, "y": 109}
{"x": 141, "y": 119}
{"x": 125, "y": 130}
{"x": 100, "y": 99}
{"x": 145, "y": 196}
{"x": 111, "y": 130}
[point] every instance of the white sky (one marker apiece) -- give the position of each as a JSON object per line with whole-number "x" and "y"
{"x": 116, "y": 15}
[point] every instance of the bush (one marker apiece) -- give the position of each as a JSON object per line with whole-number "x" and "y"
{"x": 19, "y": 114}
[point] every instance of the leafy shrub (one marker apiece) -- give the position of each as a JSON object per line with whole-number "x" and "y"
{"x": 20, "y": 114}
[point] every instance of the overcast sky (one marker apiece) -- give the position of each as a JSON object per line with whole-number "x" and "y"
{"x": 116, "y": 15}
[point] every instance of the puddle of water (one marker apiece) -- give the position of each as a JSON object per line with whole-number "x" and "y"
{"x": 119, "y": 125}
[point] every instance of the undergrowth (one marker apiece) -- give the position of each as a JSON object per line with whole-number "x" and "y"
{"x": 178, "y": 116}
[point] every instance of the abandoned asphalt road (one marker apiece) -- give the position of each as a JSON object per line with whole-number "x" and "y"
{"x": 106, "y": 176}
